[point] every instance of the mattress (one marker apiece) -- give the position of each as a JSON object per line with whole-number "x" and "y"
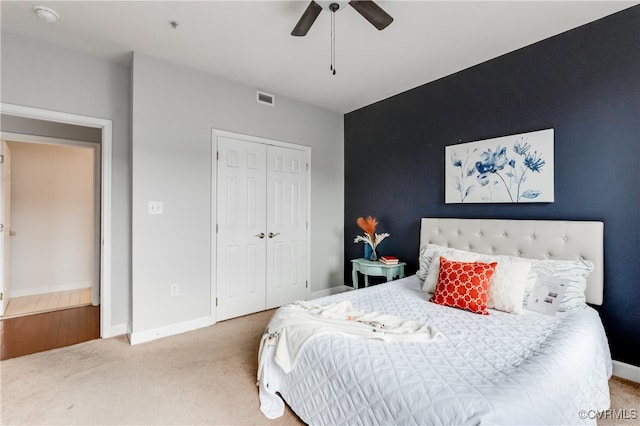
{"x": 497, "y": 369}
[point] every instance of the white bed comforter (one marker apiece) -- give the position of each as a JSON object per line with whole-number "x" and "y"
{"x": 497, "y": 369}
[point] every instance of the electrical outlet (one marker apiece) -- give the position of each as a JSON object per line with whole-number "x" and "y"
{"x": 174, "y": 289}
{"x": 156, "y": 207}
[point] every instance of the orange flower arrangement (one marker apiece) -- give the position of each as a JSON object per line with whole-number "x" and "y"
{"x": 368, "y": 225}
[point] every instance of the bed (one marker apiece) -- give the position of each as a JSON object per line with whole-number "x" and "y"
{"x": 501, "y": 368}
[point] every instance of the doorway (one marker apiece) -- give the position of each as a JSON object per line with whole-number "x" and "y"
{"x": 51, "y": 120}
{"x": 52, "y": 214}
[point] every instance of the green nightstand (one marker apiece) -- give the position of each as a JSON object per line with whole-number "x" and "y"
{"x": 375, "y": 268}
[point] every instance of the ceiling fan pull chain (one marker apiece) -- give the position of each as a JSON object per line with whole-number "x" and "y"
{"x": 368, "y": 9}
{"x": 333, "y": 41}
{"x": 331, "y": 35}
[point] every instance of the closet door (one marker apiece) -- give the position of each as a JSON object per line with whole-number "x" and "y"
{"x": 241, "y": 222}
{"x": 287, "y": 199}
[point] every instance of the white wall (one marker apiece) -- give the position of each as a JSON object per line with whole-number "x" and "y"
{"x": 43, "y": 75}
{"x": 174, "y": 109}
{"x": 170, "y": 110}
{"x": 52, "y": 214}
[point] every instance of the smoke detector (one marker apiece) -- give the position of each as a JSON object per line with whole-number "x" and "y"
{"x": 46, "y": 13}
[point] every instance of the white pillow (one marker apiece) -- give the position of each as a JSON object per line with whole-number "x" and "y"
{"x": 575, "y": 271}
{"x": 425, "y": 258}
{"x": 431, "y": 278}
{"x": 507, "y": 285}
{"x": 506, "y": 289}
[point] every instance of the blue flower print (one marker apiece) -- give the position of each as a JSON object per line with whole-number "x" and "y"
{"x": 521, "y": 149}
{"x": 511, "y": 169}
{"x": 463, "y": 189}
{"x": 533, "y": 162}
{"x": 492, "y": 161}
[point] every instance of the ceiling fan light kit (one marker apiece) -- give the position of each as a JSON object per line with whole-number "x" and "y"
{"x": 367, "y": 8}
{"x": 330, "y": 5}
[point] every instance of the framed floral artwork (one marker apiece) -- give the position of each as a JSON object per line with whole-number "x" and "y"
{"x": 508, "y": 169}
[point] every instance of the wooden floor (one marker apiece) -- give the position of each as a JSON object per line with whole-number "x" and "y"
{"x": 29, "y": 334}
{"x": 47, "y": 321}
{"x": 47, "y": 302}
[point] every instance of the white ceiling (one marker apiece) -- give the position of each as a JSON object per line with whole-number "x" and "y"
{"x": 250, "y": 42}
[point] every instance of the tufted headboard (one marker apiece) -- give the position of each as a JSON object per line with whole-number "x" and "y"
{"x": 535, "y": 239}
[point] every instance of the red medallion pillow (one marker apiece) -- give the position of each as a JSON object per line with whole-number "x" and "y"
{"x": 464, "y": 285}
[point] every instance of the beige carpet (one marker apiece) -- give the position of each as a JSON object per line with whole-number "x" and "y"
{"x": 203, "y": 377}
{"x": 207, "y": 376}
{"x": 625, "y": 398}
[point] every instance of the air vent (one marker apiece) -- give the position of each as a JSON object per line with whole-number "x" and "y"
{"x": 265, "y": 98}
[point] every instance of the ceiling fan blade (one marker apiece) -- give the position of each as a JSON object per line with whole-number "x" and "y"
{"x": 307, "y": 19}
{"x": 372, "y": 13}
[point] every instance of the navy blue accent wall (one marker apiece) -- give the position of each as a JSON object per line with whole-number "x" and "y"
{"x": 585, "y": 84}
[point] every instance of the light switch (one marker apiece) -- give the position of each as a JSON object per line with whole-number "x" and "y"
{"x": 156, "y": 207}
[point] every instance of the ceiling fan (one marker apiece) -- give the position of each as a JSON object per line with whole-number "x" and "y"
{"x": 367, "y": 8}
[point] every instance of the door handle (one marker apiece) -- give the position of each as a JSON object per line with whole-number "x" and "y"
{"x": 271, "y": 234}
{"x": 260, "y": 235}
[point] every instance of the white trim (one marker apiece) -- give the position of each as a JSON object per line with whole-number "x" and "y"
{"x": 213, "y": 241}
{"x": 330, "y": 291}
{"x": 626, "y": 371}
{"x": 106, "y": 143}
{"x": 105, "y": 253}
{"x": 22, "y": 138}
{"x": 170, "y": 330}
{"x": 258, "y": 139}
{"x": 118, "y": 329}
{"x": 308, "y": 167}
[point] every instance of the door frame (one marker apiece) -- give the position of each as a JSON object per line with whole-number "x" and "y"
{"x": 5, "y": 231}
{"x": 105, "y": 193}
{"x": 215, "y": 133}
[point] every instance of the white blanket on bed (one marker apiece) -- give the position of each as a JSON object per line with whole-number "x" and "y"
{"x": 486, "y": 369}
{"x": 294, "y": 324}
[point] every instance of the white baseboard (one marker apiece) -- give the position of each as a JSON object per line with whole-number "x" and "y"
{"x": 626, "y": 371}
{"x": 170, "y": 330}
{"x": 330, "y": 291}
{"x": 49, "y": 289}
{"x": 116, "y": 330}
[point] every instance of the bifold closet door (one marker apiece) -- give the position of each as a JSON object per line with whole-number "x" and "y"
{"x": 261, "y": 240}
{"x": 287, "y": 201}
{"x": 241, "y": 221}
